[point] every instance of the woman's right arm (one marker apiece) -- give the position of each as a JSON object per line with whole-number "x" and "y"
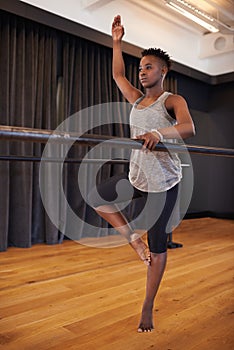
{"x": 118, "y": 67}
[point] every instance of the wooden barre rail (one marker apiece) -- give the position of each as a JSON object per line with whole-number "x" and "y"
{"x": 61, "y": 160}
{"x": 43, "y": 136}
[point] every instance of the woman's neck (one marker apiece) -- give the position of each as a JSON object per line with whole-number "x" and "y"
{"x": 153, "y": 95}
{"x": 154, "y": 92}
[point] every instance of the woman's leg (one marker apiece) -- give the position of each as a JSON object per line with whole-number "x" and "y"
{"x": 157, "y": 239}
{"x": 154, "y": 277}
{"x": 105, "y": 193}
{"x": 117, "y": 220}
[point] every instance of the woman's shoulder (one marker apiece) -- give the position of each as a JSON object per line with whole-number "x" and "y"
{"x": 173, "y": 99}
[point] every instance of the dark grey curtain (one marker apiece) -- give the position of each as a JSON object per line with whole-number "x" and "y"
{"x": 28, "y": 65}
{"x": 45, "y": 77}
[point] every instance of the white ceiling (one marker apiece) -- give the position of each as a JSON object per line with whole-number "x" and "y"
{"x": 220, "y": 10}
{"x": 150, "y": 23}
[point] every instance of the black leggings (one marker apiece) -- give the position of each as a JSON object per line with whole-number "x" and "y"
{"x": 158, "y": 208}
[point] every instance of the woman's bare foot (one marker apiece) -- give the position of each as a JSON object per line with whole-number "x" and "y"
{"x": 141, "y": 248}
{"x": 146, "y": 322}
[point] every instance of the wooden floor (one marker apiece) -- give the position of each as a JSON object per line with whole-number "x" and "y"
{"x": 71, "y": 296}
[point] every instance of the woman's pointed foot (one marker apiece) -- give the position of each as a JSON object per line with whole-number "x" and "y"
{"x": 141, "y": 248}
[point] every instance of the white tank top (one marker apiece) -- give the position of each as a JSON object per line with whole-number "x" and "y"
{"x": 153, "y": 171}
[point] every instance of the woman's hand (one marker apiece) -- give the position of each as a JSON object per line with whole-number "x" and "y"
{"x": 117, "y": 29}
{"x": 151, "y": 139}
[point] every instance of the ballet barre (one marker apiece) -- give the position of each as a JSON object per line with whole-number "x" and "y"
{"x": 12, "y": 133}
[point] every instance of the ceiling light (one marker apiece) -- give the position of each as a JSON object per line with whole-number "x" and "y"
{"x": 192, "y": 13}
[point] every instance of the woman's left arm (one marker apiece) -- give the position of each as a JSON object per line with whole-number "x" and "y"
{"x": 185, "y": 126}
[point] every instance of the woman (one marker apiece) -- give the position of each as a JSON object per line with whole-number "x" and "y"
{"x": 156, "y": 116}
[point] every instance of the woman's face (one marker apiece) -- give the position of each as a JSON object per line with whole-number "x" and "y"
{"x": 151, "y": 71}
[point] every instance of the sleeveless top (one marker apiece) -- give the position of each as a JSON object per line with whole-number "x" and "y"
{"x": 153, "y": 171}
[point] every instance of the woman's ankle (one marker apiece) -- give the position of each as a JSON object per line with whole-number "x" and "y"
{"x": 134, "y": 236}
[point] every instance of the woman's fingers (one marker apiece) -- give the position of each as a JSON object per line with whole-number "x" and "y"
{"x": 150, "y": 141}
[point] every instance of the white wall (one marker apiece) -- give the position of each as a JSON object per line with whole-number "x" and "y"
{"x": 143, "y": 28}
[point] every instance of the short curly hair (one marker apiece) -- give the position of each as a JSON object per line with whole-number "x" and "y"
{"x": 162, "y": 55}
